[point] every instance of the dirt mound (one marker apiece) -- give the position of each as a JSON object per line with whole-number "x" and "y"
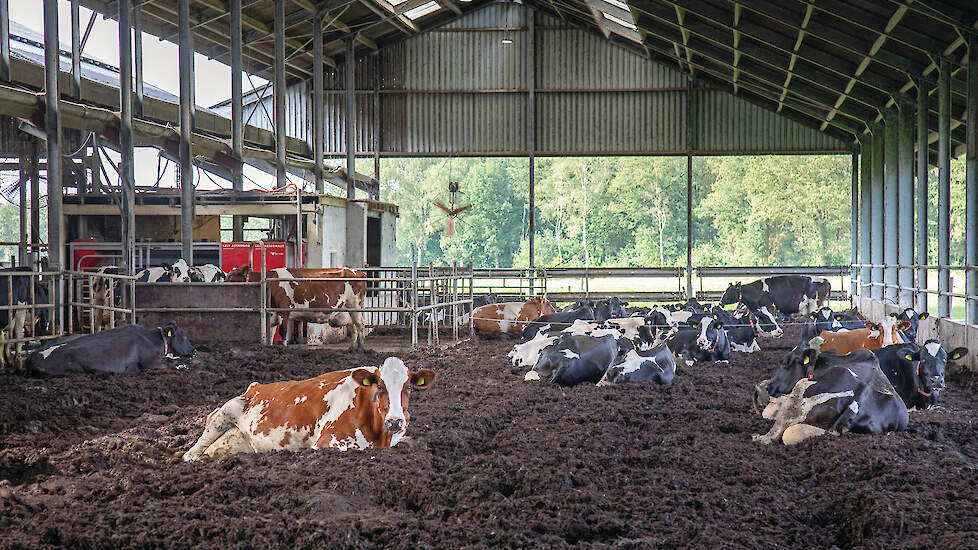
{"x": 89, "y": 462}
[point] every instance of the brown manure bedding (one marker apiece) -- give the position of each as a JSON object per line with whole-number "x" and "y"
{"x": 88, "y": 462}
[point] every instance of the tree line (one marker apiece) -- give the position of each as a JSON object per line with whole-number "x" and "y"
{"x": 631, "y": 211}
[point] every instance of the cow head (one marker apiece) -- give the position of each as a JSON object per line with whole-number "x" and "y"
{"x": 181, "y": 272}
{"x": 176, "y": 341}
{"x": 767, "y": 323}
{"x": 913, "y": 318}
{"x": 732, "y": 295}
{"x": 710, "y": 332}
{"x": 609, "y": 309}
{"x": 545, "y": 306}
{"x": 888, "y": 329}
{"x": 798, "y": 364}
{"x": 928, "y": 363}
{"x": 240, "y": 274}
{"x": 392, "y": 384}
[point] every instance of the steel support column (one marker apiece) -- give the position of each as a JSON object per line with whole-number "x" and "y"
{"x": 971, "y": 186}
{"x": 905, "y": 236}
{"x": 278, "y": 88}
{"x": 891, "y": 199}
{"x": 75, "y": 50}
{"x": 318, "y": 119}
{"x": 351, "y": 119}
{"x": 24, "y": 151}
{"x": 186, "y": 173}
{"x": 52, "y": 128}
{"x": 876, "y": 205}
{"x": 854, "y": 223}
{"x": 4, "y": 41}
{"x": 35, "y": 250}
{"x": 531, "y": 126}
{"x": 127, "y": 206}
{"x": 865, "y": 213}
{"x": 689, "y": 226}
{"x": 237, "y": 120}
{"x": 944, "y": 187}
{"x": 137, "y": 47}
{"x": 923, "y": 194}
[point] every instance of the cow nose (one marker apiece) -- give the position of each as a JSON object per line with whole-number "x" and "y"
{"x": 394, "y": 425}
{"x": 937, "y": 381}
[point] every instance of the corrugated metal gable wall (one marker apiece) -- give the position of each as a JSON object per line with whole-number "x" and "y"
{"x": 458, "y": 91}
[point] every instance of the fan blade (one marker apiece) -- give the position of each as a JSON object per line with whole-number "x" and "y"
{"x": 441, "y": 205}
{"x": 460, "y": 209}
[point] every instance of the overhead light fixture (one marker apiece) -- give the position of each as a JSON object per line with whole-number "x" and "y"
{"x": 506, "y": 41}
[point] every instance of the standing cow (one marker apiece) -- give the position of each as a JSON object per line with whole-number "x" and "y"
{"x": 296, "y": 298}
{"x": 790, "y": 294}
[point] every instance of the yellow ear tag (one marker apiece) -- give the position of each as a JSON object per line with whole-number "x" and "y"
{"x": 420, "y": 382}
{"x": 805, "y": 360}
{"x": 366, "y": 381}
{"x": 909, "y": 357}
{"x": 169, "y": 332}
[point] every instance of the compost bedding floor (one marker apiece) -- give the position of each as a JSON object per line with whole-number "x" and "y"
{"x": 88, "y": 461}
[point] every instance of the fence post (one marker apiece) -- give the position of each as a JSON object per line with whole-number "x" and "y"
{"x": 472, "y": 303}
{"x": 263, "y": 323}
{"x": 71, "y": 298}
{"x": 414, "y": 297}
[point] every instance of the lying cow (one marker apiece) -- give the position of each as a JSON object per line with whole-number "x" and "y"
{"x": 656, "y": 365}
{"x": 874, "y": 336}
{"x": 917, "y": 373}
{"x": 609, "y": 308}
{"x": 789, "y": 294}
{"x": 558, "y": 319}
{"x": 298, "y": 297}
{"x": 762, "y": 320}
{"x": 574, "y": 359}
{"x": 130, "y": 348}
{"x": 705, "y": 340}
{"x": 742, "y": 333}
{"x": 510, "y": 317}
{"x": 913, "y": 319}
{"x": 820, "y": 321}
{"x": 357, "y": 408}
{"x": 527, "y": 353}
{"x": 830, "y": 393}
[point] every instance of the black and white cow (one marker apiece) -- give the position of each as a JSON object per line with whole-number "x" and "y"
{"x": 160, "y": 274}
{"x": 207, "y": 273}
{"x": 849, "y": 321}
{"x": 527, "y": 353}
{"x": 911, "y": 316}
{"x": 106, "y": 291}
{"x": 557, "y": 320}
{"x": 603, "y": 309}
{"x": 740, "y": 332}
{"x": 185, "y": 273}
{"x": 124, "y": 349}
{"x": 830, "y": 393}
{"x": 789, "y": 294}
{"x": 15, "y": 290}
{"x": 575, "y": 359}
{"x": 656, "y": 365}
{"x": 705, "y": 340}
{"x": 819, "y": 321}
{"x": 765, "y": 323}
{"x": 917, "y": 373}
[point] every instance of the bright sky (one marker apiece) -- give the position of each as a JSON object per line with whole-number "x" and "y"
{"x": 213, "y": 79}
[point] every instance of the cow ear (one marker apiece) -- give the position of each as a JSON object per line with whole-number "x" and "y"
{"x": 694, "y": 324}
{"x": 166, "y": 267}
{"x": 838, "y": 317}
{"x": 957, "y": 353}
{"x": 813, "y": 316}
{"x": 911, "y": 355}
{"x": 364, "y": 377}
{"x": 422, "y": 379}
{"x": 717, "y": 324}
{"x": 923, "y": 316}
{"x": 894, "y": 315}
{"x": 808, "y": 358}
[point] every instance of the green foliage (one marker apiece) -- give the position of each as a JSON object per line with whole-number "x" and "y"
{"x": 626, "y": 211}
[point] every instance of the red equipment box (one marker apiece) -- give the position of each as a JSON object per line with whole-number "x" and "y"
{"x": 236, "y": 253}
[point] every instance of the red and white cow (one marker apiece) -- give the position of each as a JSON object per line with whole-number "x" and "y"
{"x": 356, "y": 408}
{"x": 874, "y": 336}
{"x": 300, "y": 296}
{"x": 510, "y": 317}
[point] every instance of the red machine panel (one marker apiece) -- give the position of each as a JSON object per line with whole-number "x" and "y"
{"x": 236, "y": 253}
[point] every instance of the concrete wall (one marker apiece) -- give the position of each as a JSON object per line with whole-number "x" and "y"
{"x": 388, "y": 240}
{"x": 950, "y": 333}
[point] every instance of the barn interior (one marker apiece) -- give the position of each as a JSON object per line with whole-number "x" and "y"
{"x": 887, "y": 82}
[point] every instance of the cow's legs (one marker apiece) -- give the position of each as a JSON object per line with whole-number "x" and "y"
{"x": 356, "y": 324}
{"x": 796, "y": 433}
{"x": 19, "y": 318}
{"x": 234, "y": 441}
{"x": 219, "y": 422}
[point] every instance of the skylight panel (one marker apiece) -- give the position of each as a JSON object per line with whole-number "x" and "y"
{"x": 621, "y": 22}
{"x": 422, "y": 10}
{"x": 616, "y": 3}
